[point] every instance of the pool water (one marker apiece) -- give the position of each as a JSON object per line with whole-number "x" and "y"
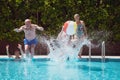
{"x": 44, "y": 69}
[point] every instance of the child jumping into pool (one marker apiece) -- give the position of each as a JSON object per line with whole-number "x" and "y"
{"x": 30, "y": 40}
{"x": 81, "y": 32}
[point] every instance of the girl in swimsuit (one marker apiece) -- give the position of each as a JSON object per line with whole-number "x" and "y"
{"x": 81, "y": 31}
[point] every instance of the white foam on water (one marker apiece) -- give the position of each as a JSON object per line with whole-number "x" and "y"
{"x": 64, "y": 48}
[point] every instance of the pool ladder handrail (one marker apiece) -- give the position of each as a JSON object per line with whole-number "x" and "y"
{"x": 102, "y": 50}
{"x": 89, "y": 50}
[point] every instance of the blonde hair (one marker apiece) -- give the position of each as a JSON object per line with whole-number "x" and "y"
{"x": 76, "y": 15}
{"x": 27, "y": 20}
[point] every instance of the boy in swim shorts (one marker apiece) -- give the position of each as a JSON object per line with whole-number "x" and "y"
{"x": 30, "y": 40}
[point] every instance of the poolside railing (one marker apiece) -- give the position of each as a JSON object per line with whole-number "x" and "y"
{"x": 102, "y": 50}
{"x": 89, "y": 50}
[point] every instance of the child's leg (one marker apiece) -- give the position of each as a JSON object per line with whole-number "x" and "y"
{"x": 32, "y": 49}
{"x": 27, "y": 49}
{"x": 26, "y": 46}
{"x": 80, "y": 52}
{"x": 33, "y": 44}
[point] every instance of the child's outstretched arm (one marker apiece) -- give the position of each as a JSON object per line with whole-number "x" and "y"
{"x": 7, "y": 50}
{"x": 85, "y": 30}
{"x": 20, "y": 47}
{"x": 39, "y": 28}
{"x": 18, "y": 29}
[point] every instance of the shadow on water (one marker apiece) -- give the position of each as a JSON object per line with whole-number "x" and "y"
{"x": 85, "y": 67}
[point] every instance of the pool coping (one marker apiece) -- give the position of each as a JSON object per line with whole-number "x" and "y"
{"x": 45, "y": 56}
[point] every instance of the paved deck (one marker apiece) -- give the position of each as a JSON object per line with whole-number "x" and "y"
{"x": 45, "y": 56}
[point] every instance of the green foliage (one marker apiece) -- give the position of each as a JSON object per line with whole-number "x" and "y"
{"x": 98, "y": 15}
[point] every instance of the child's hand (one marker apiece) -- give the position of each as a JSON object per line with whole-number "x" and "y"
{"x": 16, "y": 30}
{"x": 41, "y": 28}
{"x": 7, "y": 46}
{"x": 19, "y": 46}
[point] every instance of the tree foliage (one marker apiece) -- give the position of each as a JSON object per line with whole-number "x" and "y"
{"x": 99, "y": 15}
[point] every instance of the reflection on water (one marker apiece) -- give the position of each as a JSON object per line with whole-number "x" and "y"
{"x": 60, "y": 70}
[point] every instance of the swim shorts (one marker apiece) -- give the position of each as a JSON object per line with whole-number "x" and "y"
{"x": 30, "y": 42}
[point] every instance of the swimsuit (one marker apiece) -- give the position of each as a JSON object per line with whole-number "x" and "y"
{"x": 79, "y": 31}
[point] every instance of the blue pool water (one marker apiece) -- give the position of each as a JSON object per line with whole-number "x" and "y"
{"x": 44, "y": 69}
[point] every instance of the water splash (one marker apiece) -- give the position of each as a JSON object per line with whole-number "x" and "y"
{"x": 63, "y": 48}
{"x": 99, "y": 36}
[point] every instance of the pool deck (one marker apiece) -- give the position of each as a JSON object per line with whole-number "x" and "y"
{"x": 45, "y": 56}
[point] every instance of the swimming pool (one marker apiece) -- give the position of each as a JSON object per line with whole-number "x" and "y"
{"x": 44, "y": 69}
